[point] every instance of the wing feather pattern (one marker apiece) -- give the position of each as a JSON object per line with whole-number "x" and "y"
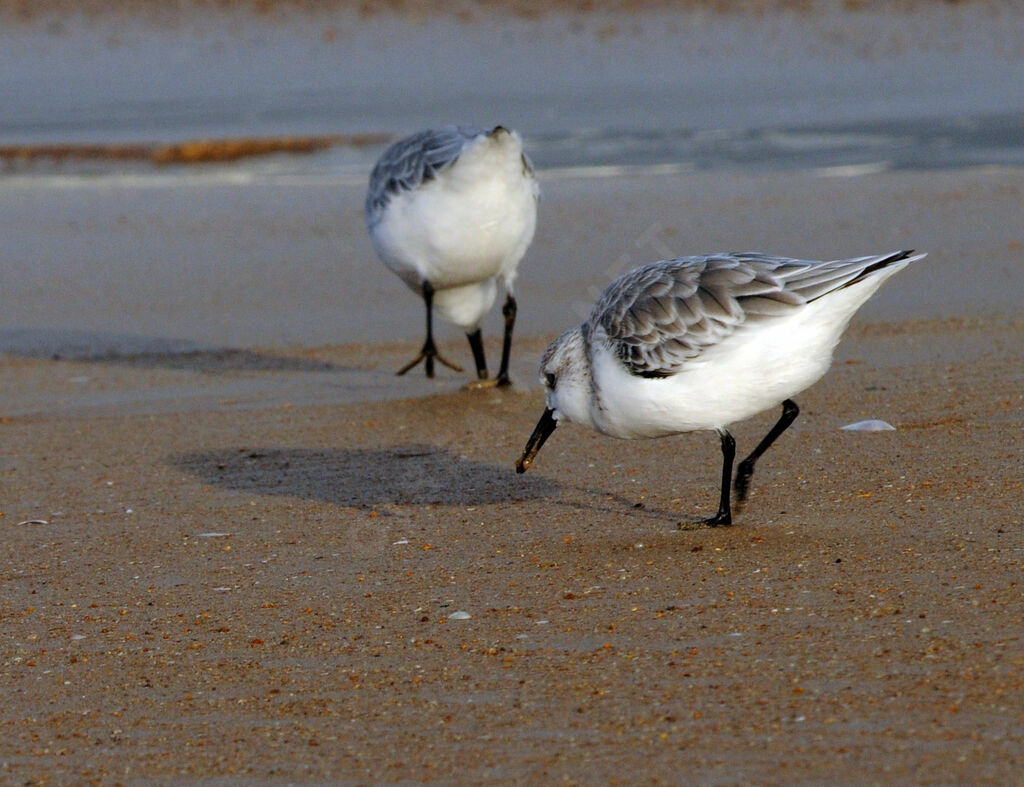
{"x": 662, "y": 315}
{"x": 414, "y": 160}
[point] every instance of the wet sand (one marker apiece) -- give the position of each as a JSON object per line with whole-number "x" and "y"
{"x": 246, "y": 560}
{"x": 117, "y": 267}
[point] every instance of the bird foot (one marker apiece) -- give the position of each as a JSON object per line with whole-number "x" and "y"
{"x": 489, "y": 382}
{"x": 718, "y": 520}
{"x": 429, "y": 354}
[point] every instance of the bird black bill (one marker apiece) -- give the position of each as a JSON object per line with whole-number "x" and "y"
{"x": 545, "y": 426}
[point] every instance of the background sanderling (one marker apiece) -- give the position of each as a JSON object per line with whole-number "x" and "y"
{"x": 452, "y": 212}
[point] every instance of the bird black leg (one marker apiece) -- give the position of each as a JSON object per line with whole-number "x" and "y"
{"x": 745, "y": 469}
{"x": 724, "y": 515}
{"x": 509, "y": 312}
{"x": 429, "y": 351}
{"x": 476, "y": 344}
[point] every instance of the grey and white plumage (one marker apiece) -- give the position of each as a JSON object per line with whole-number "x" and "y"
{"x": 662, "y": 315}
{"x": 702, "y": 342}
{"x": 452, "y": 211}
{"x": 411, "y": 161}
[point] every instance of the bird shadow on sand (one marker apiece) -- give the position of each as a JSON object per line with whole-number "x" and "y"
{"x": 360, "y": 478}
{"x": 148, "y": 352}
{"x": 620, "y": 505}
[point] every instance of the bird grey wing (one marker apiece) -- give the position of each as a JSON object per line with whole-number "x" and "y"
{"x": 413, "y": 161}
{"x": 658, "y": 317}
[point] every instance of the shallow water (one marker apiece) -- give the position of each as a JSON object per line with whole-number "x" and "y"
{"x": 617, "y": 81}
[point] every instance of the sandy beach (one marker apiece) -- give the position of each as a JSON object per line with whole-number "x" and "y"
{"x": 235, "y": 544}
{"x": 266, "y": 593}
{"x": 246, "y": 562}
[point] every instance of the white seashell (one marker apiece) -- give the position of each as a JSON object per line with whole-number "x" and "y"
{"x": 871, "y": 425}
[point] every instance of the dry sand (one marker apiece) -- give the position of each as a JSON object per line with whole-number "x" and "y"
{"x": 266, "y": 593}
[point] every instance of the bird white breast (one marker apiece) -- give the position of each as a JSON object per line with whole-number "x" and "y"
{"x": 472, "y": 222}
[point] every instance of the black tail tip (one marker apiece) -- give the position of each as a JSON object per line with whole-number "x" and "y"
{"x": 884, "y": 262}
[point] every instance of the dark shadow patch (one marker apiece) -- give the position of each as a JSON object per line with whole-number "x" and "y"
{"x": 408, "y": 475}
{"x": 627, "y": 507}
{"x": 148, "y": 352}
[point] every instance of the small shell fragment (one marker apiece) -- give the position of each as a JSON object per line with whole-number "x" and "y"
{"x": 459, "y": 615}
{"x": 871, "y": 425}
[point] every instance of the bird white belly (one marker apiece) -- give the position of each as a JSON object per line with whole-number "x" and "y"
{"x": 750, "y": 371}
{"x": 471, "y": 223}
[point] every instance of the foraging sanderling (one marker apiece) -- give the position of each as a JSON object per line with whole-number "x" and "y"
{"x": 702, "y": 342}
{"x": 452, "y": 212}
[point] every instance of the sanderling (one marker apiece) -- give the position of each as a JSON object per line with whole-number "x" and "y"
{"x": 702, "y": 342}
{"x": 452, "y": 212}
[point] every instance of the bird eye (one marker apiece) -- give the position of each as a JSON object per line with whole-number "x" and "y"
{"x": 551, "y": 380}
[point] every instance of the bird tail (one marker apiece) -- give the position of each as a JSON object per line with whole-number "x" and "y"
{"x": 906, "y": 257}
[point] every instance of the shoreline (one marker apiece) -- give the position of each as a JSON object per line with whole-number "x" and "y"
{"x": 861, "y": 148}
